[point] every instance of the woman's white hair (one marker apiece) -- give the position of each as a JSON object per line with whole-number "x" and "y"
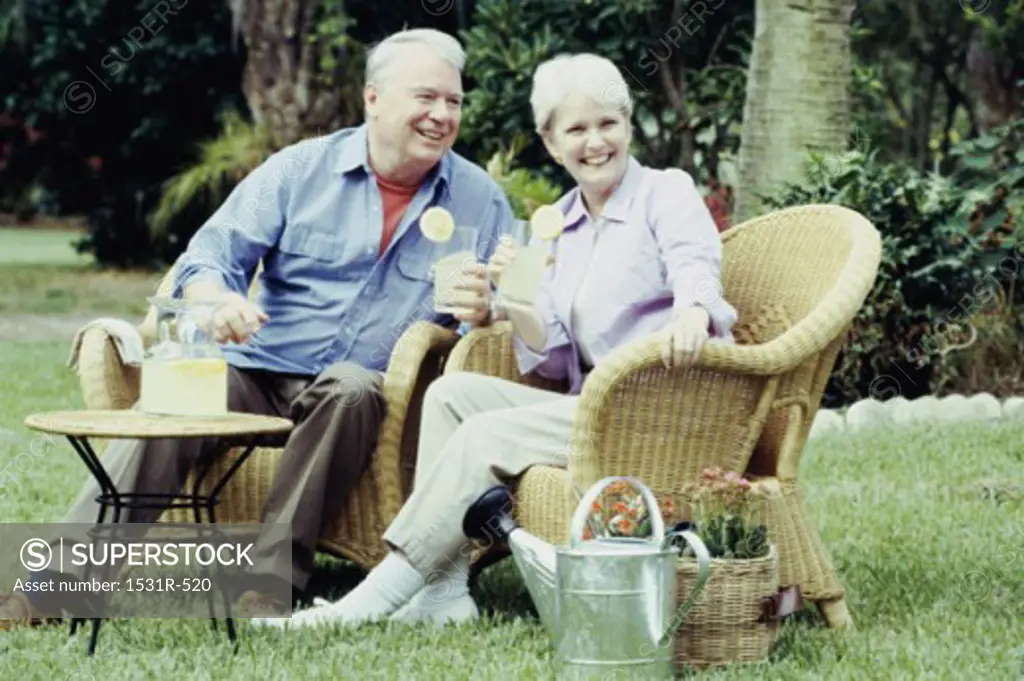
{"x": 384, "y": 53}
{"x": 586, "y": 74}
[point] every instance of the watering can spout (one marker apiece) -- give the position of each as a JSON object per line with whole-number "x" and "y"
{"x": 490, "y": 519}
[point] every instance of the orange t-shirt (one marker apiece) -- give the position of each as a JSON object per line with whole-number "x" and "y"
{"x": 396, "y": 198}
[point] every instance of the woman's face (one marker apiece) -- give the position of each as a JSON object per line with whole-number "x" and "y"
{"x": 592, "y": 141}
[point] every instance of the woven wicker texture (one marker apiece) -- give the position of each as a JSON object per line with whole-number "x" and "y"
{"x": 797, "y": 278}
{"x": 355, "y": 533}
{"x": 134, "y": 424}
{"x": 727, "y": 623}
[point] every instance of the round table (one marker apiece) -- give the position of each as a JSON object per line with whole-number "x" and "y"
{"x": 233, "y": 429}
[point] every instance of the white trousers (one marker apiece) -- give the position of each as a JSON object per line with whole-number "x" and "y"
{"x": 476, "y": 431}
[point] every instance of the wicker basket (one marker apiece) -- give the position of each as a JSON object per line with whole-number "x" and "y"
{"x": 730, "y": 621}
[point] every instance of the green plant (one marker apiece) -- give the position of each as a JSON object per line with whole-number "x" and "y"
{"x": 135, "y": 86}
{"x": 991, "y": 358}
{"x": 526, "y": 190}
{"x": 223, "y": 162}
{"x": 990, "y": 181}
{"x": 725, "y": 506}
{"x": 932, "y": 266}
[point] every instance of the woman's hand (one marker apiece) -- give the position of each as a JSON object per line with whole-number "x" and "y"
{"x": 684, "y": 337}
{"x": 504, "y": 254}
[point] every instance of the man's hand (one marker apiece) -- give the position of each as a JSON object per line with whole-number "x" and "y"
{"x": 472, "y": 295}
{"x": 684, "y": 337}
{"x": 235, "y": 319}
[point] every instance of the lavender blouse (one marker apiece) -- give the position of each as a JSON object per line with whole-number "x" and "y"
{"x": 659, "y": 253}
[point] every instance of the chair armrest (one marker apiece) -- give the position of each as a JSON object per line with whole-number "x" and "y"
{"x": 489, "y": 351}
{"x": 636, "y": 418}
{"x": 415, "y": 361}
{"x": 106, "y": 382}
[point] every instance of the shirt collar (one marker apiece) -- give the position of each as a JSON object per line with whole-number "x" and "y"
{"x": 353, "y": 155}
{"x": 618, "y": 205}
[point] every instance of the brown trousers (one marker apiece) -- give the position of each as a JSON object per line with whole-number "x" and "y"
{"x": 337, "y": 419}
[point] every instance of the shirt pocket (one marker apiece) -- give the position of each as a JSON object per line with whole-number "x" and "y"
{"x": 308, "y": 242}
{"x": 415, "y": 265}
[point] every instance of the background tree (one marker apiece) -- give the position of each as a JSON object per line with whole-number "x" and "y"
{"x": 798, "y": 94}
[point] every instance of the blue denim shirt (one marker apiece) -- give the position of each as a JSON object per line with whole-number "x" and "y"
{"x": 313, "y": 214}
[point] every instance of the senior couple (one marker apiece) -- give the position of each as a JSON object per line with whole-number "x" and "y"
{"x": 346, "y": 267}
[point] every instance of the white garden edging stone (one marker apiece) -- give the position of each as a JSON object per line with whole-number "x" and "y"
{"x": 869, "y": 413}
{"x": 1013, "y": 408}
{"x": 900, "y": 412}
{"x": 826, "y": 422}
{"x": 984, "y": 407}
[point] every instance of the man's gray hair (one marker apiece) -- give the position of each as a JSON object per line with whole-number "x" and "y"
{"x": 383, "y": 54}
{"x": 588, "y": 74}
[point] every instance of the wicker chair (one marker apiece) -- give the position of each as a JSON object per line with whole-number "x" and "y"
{"x": 797, "y": 278}
{"x": 355, "y": 533}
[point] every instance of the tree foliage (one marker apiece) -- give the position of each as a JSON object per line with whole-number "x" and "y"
{"x": 129, "y": 85}
{"x": 683, "y": 60}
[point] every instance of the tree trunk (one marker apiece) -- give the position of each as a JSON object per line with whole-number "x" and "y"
{"x": 798, "y": 97}
{"x": 1000, "y": 98}
{"x": 294, "y": 87}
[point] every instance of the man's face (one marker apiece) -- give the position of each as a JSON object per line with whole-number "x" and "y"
{"x": 417, "y": 106}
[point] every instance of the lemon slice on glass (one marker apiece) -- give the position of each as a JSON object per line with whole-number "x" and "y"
{"x": 547, "y": 222}
{"x": 437, "y": 224}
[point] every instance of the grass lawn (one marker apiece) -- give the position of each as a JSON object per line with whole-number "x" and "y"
{"x": 926, "y": 528}
{"x": 41, "y": 274}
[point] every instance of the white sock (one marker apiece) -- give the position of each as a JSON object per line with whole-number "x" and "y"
{"x": 455, "y": 609}
{"x": 444, "y": 598}
{"x": 386, "y": 588}
{"x": 448, "y": 582}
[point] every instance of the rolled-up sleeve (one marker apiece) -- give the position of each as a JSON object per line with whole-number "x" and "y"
{"x": 230, "y": 244}
{"x": 553, "y": 361}
{"x": 692, "y": 249}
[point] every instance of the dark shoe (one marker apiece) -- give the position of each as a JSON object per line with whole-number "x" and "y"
{"x": 257, "y": 604}
{"x": 16, "y": 611}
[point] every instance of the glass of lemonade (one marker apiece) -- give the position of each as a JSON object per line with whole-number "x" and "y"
{"x": 521, "y": 280}
{"x": 454, "y": 256}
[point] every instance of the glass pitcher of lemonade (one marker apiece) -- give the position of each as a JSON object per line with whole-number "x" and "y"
{"x": 184, "y": 372}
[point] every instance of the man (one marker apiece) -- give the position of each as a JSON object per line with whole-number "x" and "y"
{"x": 334, "y": 221}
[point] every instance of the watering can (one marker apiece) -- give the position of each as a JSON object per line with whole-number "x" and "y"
{"x": 609, "y": 603}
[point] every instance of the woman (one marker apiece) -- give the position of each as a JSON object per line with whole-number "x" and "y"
{"x": 639, "y": 255}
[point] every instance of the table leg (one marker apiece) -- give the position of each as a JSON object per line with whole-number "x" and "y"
{"x": 92, "y": 462}
{"x": 110, "y": 497}
{"x": 211, "y": 502}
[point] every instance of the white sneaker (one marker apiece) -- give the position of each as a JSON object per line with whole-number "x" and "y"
{"x": 323, "y": 612}
{"x": 421, "y": 607}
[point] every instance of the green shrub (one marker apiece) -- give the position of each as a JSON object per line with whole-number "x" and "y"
{"x": 935, "y": 272}
{"x": 199, "y": 189}
{"x": 526, "y": 190}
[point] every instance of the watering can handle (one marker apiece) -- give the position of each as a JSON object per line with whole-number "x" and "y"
{"x": 703, "y": 572}
{"x": 579, "y": 518}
